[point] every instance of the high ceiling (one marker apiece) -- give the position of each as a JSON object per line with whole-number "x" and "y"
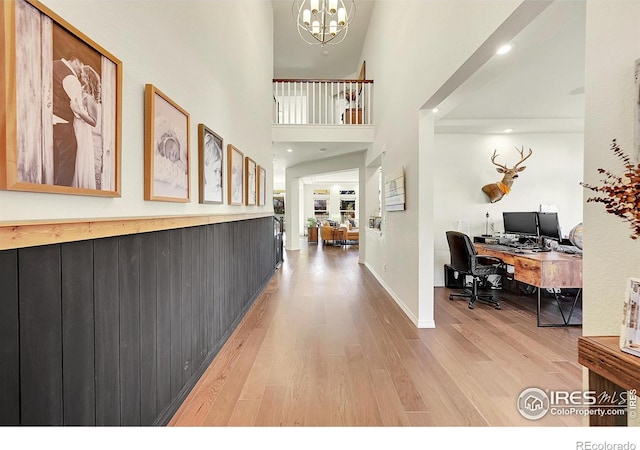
{"x": 294, "y": 58}
{"x": 537, "y": 87}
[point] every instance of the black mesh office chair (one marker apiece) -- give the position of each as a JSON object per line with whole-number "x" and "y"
{"x": 466, "y": 261}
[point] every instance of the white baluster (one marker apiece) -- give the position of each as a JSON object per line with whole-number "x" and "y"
{"x": 288, "y": 102}
{"x": 333, "y": 106}
{"x": 307, "y": 104}
{"x": 369, "y": 111}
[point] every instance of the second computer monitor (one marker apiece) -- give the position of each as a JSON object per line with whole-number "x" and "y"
{"x": 520, "y": 223}
{"x": 548, "y": 225}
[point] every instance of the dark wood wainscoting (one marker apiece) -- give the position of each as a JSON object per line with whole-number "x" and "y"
{"x": 117, "y": 330}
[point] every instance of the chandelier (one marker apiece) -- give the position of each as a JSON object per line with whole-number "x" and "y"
{"x": 323, "y": 21}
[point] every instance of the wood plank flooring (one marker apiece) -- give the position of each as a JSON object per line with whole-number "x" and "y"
{"x": 325, "y": 345}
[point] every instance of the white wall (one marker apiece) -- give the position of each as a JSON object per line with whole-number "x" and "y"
{"x": 294, "y": 216}
{"x": 612, "y": 46}
{"x": 411, "y": 50}
{"x": 463, "y": 165}
{"x": 214, "y": 59}
{"x": 333, "y": 199}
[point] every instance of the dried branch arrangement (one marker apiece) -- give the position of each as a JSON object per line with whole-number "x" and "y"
{"x": 620, "y": 194}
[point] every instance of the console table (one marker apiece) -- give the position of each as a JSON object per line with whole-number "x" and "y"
{"x": 611, "y": 371}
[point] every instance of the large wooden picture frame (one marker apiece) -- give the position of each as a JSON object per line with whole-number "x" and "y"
{"x": 235, "y": 178}
{"x": 210, "y": 167}
{"x": 250, "y": 180}
{"x": 262, "y": 186}
{"x": 166, "y": 148}
{"x": 60, "y": 106}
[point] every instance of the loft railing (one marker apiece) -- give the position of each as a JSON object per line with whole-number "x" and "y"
{"x": 322, "y": 102}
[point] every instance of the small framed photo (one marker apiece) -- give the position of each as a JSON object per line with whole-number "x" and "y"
{"x": 210, "y": 165}
{"x": 166, "y": 155}
{"x": 262, "y": 186}
{"x": 250, "y": 181}
{"x": 320, "y": 206}
{"x": 62, "y": 95}
{"x": 630, "y": 333}
{"x": 278, "y": 205}
{"x": 235, "y": 178}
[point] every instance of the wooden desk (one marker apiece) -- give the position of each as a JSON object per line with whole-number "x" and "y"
{"x": 611, "y": 372}
{"x": 542, "y": 270}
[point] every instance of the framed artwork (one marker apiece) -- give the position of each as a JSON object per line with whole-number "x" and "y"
{"x": 210, "y": 165}
{"x": 62, "y": 94}
{"x": 166, "y": 148}
{"x": 262, "y": 186}
{"x": 630, "y": 333}
{"x": 394, "y": 191}
{"x": 278, "y": 205}
{"x": 250, "y": 174}
{"x": 235, "y": 178}
{"x": 320, "y": 206}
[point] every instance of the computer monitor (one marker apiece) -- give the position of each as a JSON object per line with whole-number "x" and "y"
{"x": 520, "y": 223}
{"x": 548, "y": 226}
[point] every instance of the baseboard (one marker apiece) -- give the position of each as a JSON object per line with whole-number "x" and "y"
{"x": 400, "y": 303}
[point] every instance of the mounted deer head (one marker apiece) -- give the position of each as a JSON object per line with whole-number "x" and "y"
{"x": 495, "y": 191}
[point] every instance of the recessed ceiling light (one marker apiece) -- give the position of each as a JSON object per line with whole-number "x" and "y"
{"x": 506, "y": 48}
{"x": 508, "y": 130}
{"x": 289, "y": 150}
{"x": 435, "y": 110}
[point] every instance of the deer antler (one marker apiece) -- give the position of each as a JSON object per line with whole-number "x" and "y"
{"x": 493, "y": 160}
{"x": 523, "y": 158}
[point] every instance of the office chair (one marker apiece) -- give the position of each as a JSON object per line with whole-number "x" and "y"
{"x": 466, "y": 261}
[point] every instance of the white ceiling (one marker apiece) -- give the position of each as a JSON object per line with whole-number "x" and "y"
{"x": 294, "y": 58}
{"x": 537, "y": 87}
{"x": 342, "y": 177}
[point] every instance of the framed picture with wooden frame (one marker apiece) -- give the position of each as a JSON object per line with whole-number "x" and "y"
{"x": 262, "y": 186}
{"x": 250, "y": 180}
{"x": 166, "y": 148}
{"x": 210, "y": 166}
{"x": 61, "y": 103}
{"x": 235, "y": 176}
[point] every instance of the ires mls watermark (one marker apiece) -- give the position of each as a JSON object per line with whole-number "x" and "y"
{"x": 535, "y": 403}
